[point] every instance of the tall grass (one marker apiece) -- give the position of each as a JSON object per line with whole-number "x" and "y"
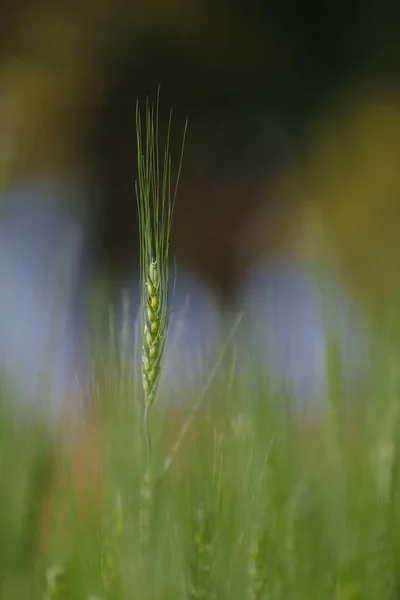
{"x": 251, "y": 502}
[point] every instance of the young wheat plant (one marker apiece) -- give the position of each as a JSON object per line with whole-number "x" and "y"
{"x": 156, "y": 202}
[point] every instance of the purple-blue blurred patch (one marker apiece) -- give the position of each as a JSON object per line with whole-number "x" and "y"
{"x": 292, "y": 317}
{"x": 42, "y": 263}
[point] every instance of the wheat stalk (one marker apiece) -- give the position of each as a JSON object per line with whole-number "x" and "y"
{"x": 256, "y": 570}
{"x": 200, "y": 583}
{"x": 156, "y": 202}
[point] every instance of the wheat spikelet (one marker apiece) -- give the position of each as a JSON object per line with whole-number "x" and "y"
{"x": 153, "y": 335}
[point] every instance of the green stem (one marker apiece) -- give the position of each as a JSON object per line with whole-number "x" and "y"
{"x": 147, "y": 434}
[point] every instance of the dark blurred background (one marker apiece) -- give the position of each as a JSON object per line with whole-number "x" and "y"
{"x": 293, "y": 110}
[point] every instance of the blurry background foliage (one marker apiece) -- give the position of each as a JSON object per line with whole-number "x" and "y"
{"x": 308, "y": 94}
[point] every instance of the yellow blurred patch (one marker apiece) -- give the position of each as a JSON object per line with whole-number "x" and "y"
{"x": 353, "y": 177}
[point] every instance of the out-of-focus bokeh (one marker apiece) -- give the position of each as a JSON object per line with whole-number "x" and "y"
{"x": 291, "y": 156}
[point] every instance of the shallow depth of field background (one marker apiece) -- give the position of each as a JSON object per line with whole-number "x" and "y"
{"x": 292, "y": 158}
{"x": 293, "y": 125}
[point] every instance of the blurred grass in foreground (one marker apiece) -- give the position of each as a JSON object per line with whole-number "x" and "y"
{"x": 256, "y": 503}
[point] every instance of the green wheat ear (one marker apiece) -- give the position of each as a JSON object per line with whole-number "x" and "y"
{"x": 156, "y": 202}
